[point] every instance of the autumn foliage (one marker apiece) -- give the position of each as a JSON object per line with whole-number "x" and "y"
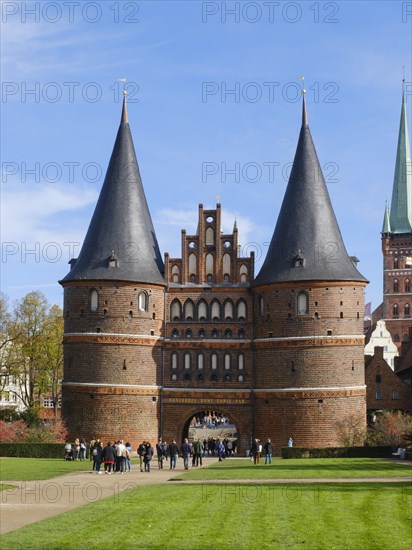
{"x": 19, "y": 432}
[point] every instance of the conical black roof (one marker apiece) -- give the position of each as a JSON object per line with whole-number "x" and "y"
{"x": 307, "y": 244}
{"x": 120, "y": 243}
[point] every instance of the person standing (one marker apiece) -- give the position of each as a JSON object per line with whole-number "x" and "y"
{"x": 198, "y": 451}
{"x": 254, "y": 450}
{"x": 148, "y": 457}
{"x": 121, "y": 456}
{"x": 128, "y": 454}
{"x": 186, "y": 452}
{"x": 109, "y": 457}
{"x": 220, "y": 450}
{"x": 82, "y": 450}
{"x": 290, "y": 442}
{"x": 98, "y": 457}
{"x": 76, "y": 448}
{"x": 173, "y": 454}
{"x": 268, "y": 452}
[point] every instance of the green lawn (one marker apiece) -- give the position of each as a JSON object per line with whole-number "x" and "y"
{"x": 27, "y": 469}
{"x": 314, "y": 516}
{"x": 299, "y": 468}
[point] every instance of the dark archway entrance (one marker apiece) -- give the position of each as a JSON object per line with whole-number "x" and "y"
{"x": 211, "y": 426}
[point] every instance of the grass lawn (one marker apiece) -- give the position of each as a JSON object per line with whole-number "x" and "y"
{"x": 27, "y": 469}
{"x": 316, "y": 516}
{"x": 299, "y": 468}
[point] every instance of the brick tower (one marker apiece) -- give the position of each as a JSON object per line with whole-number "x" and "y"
{"x": 308, "y": 317}
{"x": 113, "y": 311}
{"x": 397, "y": 242}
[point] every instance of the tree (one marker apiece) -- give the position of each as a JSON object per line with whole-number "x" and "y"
{"x": 34, "y": 349}
{"x": 391, "y": 428}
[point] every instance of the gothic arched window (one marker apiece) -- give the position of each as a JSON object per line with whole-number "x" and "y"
{"x": 94, "y": 299}
{"x": 143, "y": 301}
{"x": 407, "y": 285}
{"x": 395, "y": 285}
{"x": 395, "y": 310}
{"x": 175, "y": 310}
{"x": 303, "y": 303}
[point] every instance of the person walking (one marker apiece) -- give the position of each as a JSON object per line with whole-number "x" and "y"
{"x": 141, "y": 451}
{"x": 290, "y": 442}
{"x": 268, "y": 452}
{"x": 186, "y": 452}
{"x": 160, "y": 454}
{"x": 173, "y": 454}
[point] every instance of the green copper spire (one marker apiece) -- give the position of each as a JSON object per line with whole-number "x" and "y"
{"x": 401, "y": 204}
{"x": 386, "y": 227}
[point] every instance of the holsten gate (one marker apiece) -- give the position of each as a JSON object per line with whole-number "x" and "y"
{"x": 149, "y": 343}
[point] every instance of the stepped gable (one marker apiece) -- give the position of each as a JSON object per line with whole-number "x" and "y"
{"x": 307, "y": 244}
{"x": 120, "y": 244}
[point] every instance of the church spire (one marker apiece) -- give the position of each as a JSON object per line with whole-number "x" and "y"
{"x": 125, "y": 118}
{"x": 120, "y": 244}
{"x": 386, "y": 226}
{"x": 401, "y": 204}
{"x": 307, "y": 244}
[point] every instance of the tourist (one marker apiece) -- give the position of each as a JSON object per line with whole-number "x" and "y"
{"x": 197, "y": 453}
{"x": 220, "y": 450}
{"x": 148, "y": 457}
{"x": 98, "y": 457}
{"x": 160, "y": 454}
{"x": 268, "y": 452}
{"x": 141, "y": 451}
{"x": 82, "y": 449}
{"x": 173, "y": 454}
{"x": 290, "y": 442}
{"x": 120, "y": 456}
{"x": 254, "y": 451}
{"x": 186, "y": 452}
{"x": 109, "y": 457}
{"x": 76, "y": 448}
{"x": 128, "y": 455}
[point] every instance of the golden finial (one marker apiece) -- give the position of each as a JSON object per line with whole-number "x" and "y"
{"x": 124, "y": 85}
{"x": 217, "y": 198}
{"x": 302, "y": 78}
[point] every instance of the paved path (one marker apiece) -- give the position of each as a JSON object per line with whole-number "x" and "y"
{"x": 32, "y": 501}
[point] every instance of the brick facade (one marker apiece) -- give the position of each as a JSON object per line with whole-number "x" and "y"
{"x": 384, "y": 388}
{"x": 212, "y": 342}
{"x": 397, "y": 285}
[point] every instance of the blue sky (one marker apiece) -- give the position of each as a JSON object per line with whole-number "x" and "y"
{"x": 61, "y": 109}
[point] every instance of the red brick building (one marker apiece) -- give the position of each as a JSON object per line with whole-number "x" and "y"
{"x": 397, "y": 243}
{"x": 384, "y": 388}
{"x": 148, "y": 344}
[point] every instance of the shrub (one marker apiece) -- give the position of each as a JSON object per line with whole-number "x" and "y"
{"x": 391, "y": 428}
{"x": 32, "y": 450}
{"x": 337, "y": 452}
{"x": 20, "y": 432}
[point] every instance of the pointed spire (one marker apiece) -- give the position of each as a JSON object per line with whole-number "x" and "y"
{"x": 124, "y": 119}
{"x": 304, "y": 112}
{"x": 401, "y": 204}
{"x": 307, "y": 244}
{"x": 386, "y": 226}
{"x": 235, "y": 225}
{"x": 120, "y": 244}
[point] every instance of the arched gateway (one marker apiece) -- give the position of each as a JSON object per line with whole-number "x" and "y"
{"x": 178, "y": 419}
